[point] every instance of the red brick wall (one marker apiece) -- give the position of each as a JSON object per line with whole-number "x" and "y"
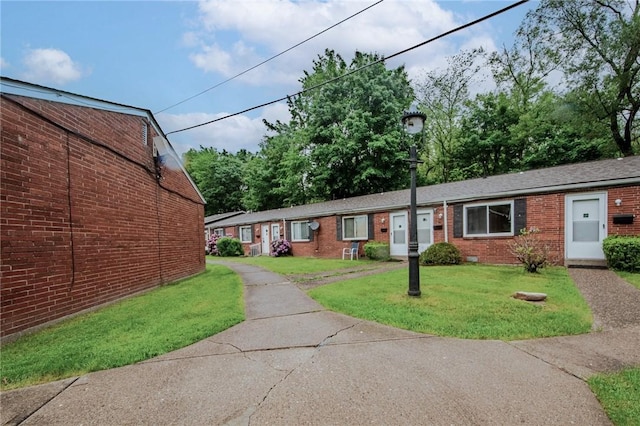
{"x": 544, "y": 211}
{"x": 630, "y": 198}
{"x": 84, "y": 224}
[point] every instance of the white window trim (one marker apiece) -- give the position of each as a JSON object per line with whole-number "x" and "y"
{"x": 219, "y": 232}
{"x": 365, "y": 237}
{"x": 302, "y": 224}
{"x": 488, "y": 234}
{"x": 273, "y": 234}
{"x": 241, "y": 234}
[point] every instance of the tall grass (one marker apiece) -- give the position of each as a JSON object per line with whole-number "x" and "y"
{"x": 467, "y": 301}
{"x": 132, "y": 330}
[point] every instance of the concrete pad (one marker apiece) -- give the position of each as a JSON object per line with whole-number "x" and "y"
{"x": 277, "y": 300}
{"x": 17, "y": 405}
{"x": 213, "y": 390}
{"x": 588, "y": 354}
{"x": 305, "y": 330}
{"x": 431, "y": 381}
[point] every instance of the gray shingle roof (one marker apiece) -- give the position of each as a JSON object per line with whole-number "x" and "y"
{"x": 571, "y": 176}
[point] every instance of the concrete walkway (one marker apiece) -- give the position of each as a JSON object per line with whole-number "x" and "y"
{"x": 292, "y": 362}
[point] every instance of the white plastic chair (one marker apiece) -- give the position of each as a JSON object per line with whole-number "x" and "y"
{"x": 353, "y": 251}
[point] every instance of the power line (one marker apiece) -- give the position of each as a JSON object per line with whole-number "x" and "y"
{"x": 431, "y": 40}
{"x": 271, "y": 58}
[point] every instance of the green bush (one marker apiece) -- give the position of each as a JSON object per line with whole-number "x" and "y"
{"x": 441, "y": 254}
{"x": 622, "y": 252}
{"x": 228, "y": 246}
{"x": 376, "y": 250}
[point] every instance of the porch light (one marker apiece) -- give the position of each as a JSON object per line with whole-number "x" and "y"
{"x": 413, "y": 122}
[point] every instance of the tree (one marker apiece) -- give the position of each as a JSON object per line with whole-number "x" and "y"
{"x": 276, "y": 175}
{"x": 219, "y": 177}
{"x": 347, "y": 131}
{"x": 487, "y": 145}
{"x": 442, "y": 95}
{"x": 597, "y": 44}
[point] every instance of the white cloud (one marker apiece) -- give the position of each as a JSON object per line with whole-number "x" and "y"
{"x": 3, "y": 64}
{"x": 231, "y": 134}
{"x": 51, "y": 65}
{"x": 255, "y": 31}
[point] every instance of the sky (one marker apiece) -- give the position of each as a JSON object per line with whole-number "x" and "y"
{"x": 156, "y": 54}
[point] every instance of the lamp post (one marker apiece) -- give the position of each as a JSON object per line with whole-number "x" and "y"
{"x": 413, "y": 122}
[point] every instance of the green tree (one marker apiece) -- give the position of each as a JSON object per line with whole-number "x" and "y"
{"x": 597, "y": 45}
{"x": 487, "y": 145}
{"x": 347, "y": 132}
{"x": 276, "y": 175}
{"x": 443, "y": 95}
{"x": 219, "y": 177}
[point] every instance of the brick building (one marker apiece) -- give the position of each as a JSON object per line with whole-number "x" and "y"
{"x": 95, "y": 206}
{"x": 574, "y": 206}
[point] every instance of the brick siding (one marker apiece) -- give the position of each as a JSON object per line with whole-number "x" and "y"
{"x": 83, "y": 219}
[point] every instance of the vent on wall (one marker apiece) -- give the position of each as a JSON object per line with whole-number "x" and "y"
{"x": 145, "y": 133}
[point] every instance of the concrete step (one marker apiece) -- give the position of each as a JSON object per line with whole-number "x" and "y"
{"x": 586, "y": 263}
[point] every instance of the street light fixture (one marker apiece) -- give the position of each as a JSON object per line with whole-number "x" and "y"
{"x": 413, "y": 122}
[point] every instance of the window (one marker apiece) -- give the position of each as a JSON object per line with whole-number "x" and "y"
{"x": 488, "y": 219}
{"x": 245, "y": 234}
{"x": 219, "y": 232}
{"x": 355, "y": 228}
{"x": 300, "y": 231}
{"x": 424, "y": 228}
{"x": 275, "y": 232}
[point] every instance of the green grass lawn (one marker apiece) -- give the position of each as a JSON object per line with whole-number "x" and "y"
{"x": 466, "y": 301}
{"x": 619, "y": 394}
{"x": 135, "y": 329}
{"x": 289, "y": 265}
{"x": 631, "y": 278}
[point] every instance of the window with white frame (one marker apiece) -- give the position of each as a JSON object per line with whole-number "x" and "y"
{"x": 275, "y": 232}
{"x": 355, "y": 227}
{"x": 491, "y": 219}
{"x": 300, "y": 230}
{"x": 245, "y": 234}
{"x": 219, "y": 232}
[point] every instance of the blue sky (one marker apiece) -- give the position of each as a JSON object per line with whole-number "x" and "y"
{"x": 153, "y": 54}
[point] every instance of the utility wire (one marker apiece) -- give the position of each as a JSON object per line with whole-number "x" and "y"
{"x": 271, "y": 58}
{"x": 431, "y": 40}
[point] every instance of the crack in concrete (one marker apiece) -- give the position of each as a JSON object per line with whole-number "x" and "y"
{"x": 20, "y": 418}
{"x": 546, "y": 362}
{"x": 286, "y": 376}
{"x": 287, "y": 315}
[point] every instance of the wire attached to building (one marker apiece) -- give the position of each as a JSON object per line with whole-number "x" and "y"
{"x": 431, "y": 40}
{"x": 271, "y": 58}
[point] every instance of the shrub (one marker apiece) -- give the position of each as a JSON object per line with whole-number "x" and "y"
{"x": 376, "y": 250}
{"x": 280, "y": 248}
{"x": 441, "y": 254}
{"x": 228, "y": 246}
{"x": 212, "y": 245}
{"x": 529, "y": 250}
{"x": 622, "y": 252}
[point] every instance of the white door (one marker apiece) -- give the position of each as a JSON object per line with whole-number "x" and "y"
{"x": 265, "y": 240}
{"x": 585, "y": 225}
{"x": 399, "y": 238}
{"x": 425, "y": 229}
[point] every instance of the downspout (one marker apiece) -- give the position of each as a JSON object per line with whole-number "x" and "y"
{"x": 446, "y": 230}
{"x": 284, "y": 229}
